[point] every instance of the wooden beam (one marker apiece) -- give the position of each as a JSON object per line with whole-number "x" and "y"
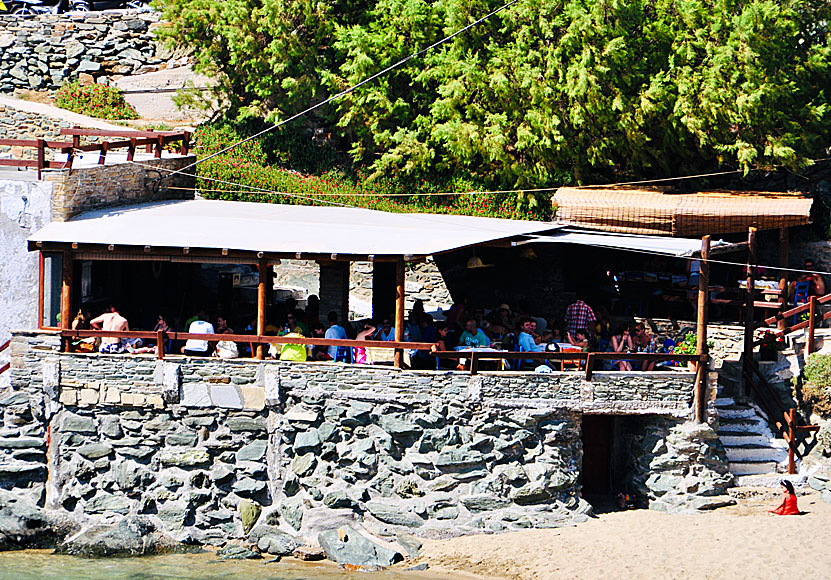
{"x": 749, "y": 325}
{"x": 261, "y": 291}
{"x": 783, "y": 280}
{"x": 66, "y": 289}
{"x": 701, "y": 331}
{"x": 812, "y": 321}
{"x": 399, "y": 311}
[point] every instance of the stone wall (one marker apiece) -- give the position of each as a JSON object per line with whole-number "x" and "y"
{"x": 88, "y": 188}
{"x": 17, "y": 124}
{"x": 45, "y": 51}
{"x": 213, "y": 449}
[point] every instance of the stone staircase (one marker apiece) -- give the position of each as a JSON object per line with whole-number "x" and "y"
{"x": 755, "y": 454}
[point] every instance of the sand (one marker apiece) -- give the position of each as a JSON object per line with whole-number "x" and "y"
{"x": 733, "y": 543}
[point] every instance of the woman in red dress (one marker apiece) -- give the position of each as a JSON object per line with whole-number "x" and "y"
{"x": 788, "y": 505}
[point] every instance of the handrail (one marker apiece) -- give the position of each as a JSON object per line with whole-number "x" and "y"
{"x": 5, "y": 345}
{"x": 588, "y": 357}
{"x": 792, "y": 312}
{"x": 8, "y": 365}
{"x": 148, "y": 139}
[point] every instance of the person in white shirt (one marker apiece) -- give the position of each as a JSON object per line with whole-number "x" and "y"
{"x": 195, "y": 347}
{"x": 335, "y": 331}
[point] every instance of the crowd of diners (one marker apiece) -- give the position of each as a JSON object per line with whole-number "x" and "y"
{"x": 464, "y": 327}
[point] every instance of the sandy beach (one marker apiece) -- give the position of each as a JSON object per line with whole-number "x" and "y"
{"x": 735, "y": 543}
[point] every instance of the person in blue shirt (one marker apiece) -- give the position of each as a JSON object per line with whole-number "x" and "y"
{"x": 335, "y": 331}
{"x": 473, "y": 336}
{"x": 526, "y": 341}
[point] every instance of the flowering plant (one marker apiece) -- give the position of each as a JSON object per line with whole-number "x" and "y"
{"x": 770, "y": 340}
{"x": 100, "y": 101}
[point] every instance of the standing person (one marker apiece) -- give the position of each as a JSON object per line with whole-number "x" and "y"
{"x": 111, "y": 320}
{"x": 193, "y": 346}
{"x": 622, "y": 342}
{"x": 336, "y": 332}
{"x": 788, "y": 506}
{"x": 579, "y": 315}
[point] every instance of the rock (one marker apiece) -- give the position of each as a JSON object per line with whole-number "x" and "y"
{"x": 129, "y": 475}
{"x": 411, "y": 544}
{"x": 187, "y": 458}
{"x": 309, "y": 553}
{"x": 108, "y": 503}
{"x": 248, "y": 486}
{"x": 327, "y": 431}
{"x": 347, "y": 546}
{"x": 111, "y": 427}
{"x": 88, "y": 66}
{"x": 253, "y": 451}
{"x": 391, "y": 514}
{"x": 292, "y": 512}
{"x": 458, "y": 459}
{"x": 237, "y": 552}
{"x": 130, "y": 536}
{"x": 22, "y": 443}
{"x": 182, "y": 439}
{"x": 483, "y": 502}
{"x": 249, "y": 513}
{"x": 222, "y": 473}
{"x": 277, "y": 544}
{"x": 94, "y": 451}
{"x": 174, "y": 515}
{"x": 304, "y": 465}
{"x": 239, "y": 424}
{"x": 139, "y": 452}
{"x": 306, "y": 441}
{"x": 418, "y": 567}
{"x": 530, "y": 493}
{"x": 25, "y": 525}
{"x": 399, "y": 424}
{"x": 77, "y": 424}
{"x": 338, "y": 499}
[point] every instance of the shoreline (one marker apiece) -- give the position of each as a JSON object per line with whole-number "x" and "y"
{"x": 738, "y": 542}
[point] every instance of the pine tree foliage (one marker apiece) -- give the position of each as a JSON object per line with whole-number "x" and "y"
{"x": 545, "y": 92}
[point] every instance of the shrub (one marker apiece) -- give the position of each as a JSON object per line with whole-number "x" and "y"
{"x": 817, "y": 391}
{"x": 101, "y": 101}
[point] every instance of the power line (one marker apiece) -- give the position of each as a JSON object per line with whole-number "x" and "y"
{"x": 352, "y": 88}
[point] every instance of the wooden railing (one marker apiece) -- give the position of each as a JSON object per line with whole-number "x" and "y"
{"x": 785, "y": 420}
{"x": 587, "y": 359}
{"x": 6, "y": 366}
{"x": 152, "y": 141}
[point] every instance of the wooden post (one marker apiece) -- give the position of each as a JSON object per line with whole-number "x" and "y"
{"x": 185, "y": 142}
{"x": 66, "y": 289}
{"x": 399, "y": 311}
{"x": 474, "y": 363}
{"x": 701, "y": 332}
{"x": 783, "y": 279}
{"x": 102, "y": 156}
{"x": 791, "y": 417}
{"x": 748, "y": 308}
{"x": 41, "y": 148}
{"x": 812, "y": 314}
{"x": 263, "y": 272}
{"x": 160, "y": 344}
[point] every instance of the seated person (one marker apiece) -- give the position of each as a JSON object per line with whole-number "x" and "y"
{"x": 788, "y": 507}
{"x": 473, "y": 337}
{"x": 525, "y": 341}
{"x": 386, "y": 332}
{"x": 335, "y": 332}
{"x": 112, "y": 320}
{"x": 817, "y": 283}
{"x": 580, "y": 339}
{"x": 293, "y": 352}
{"x": 195, "y": 347}
{"x": 162, "y": 325}
{"x": 366, "y": 333}
{"x": 622, "y": 342}
{"x": 320, "y": 353}
{"x": 644, "y": 342}
{"x": 225, "y": 348}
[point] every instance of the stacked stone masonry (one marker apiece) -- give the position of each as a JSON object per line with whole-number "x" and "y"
{"x": 214, "y": 450}
{"x": 45, "y": 51}
{"x": 17, "y": 124}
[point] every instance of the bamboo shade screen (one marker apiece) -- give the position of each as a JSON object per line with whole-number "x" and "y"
{"x": 656, "y": 211}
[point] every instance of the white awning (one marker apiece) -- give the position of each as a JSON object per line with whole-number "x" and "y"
{"x": 632, "y": 242}
{"x": 264, "y": 227}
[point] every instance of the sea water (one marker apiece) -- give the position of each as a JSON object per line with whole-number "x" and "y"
{"x": 44, "y": 565}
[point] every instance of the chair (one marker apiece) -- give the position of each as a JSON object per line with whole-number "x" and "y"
{"x": 344, "y": 354}
{"x": 800, "y": 297}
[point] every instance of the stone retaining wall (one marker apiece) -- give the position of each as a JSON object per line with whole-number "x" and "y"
{"x": 214, "y": 450}
{"x": 45, "y": 51}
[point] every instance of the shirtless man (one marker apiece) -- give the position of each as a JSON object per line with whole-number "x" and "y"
{"x": 111, "y": 320}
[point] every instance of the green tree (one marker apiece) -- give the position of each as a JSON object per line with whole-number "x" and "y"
{"x": 545, "y": 92}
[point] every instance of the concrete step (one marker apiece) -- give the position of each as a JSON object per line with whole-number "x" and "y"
{"x": 739, "y": 438}
{"x": 756, "y": 453}
{"x": 769, "y": 480}
{"x": 736, "y": 412}
{"x": 754, "y": 424}
{"x": 725, "y": 402}
{"x": 752, "y": 467}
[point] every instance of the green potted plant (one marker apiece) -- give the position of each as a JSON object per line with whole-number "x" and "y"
{"x": 687, "y": 346}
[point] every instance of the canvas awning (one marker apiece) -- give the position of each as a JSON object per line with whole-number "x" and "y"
{"x": 632, "y": 242}
{"x": 661, "y": 211}
{"x": 280, "y": 229}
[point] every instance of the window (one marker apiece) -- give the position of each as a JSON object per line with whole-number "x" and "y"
{"x": 51, "y": 280}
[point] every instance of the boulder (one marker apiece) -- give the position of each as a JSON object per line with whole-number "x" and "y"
{"x": 348, "y": 546}
{"x": 237, "y": 552}
{"x": 391, "y": 514}
{"x": 129, "y": 536}
{"x": 25, "y": 525}
{"x": 277, "y": 544}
